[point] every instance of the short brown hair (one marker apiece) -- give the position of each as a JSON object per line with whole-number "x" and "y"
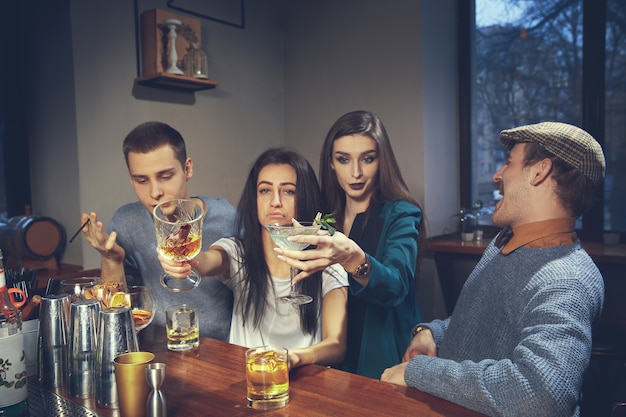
{"x": 149, "y": 136}
{"x": 575, "y": 191}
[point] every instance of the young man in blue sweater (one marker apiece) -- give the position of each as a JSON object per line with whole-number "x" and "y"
{"x": 159, "y": 169}
{"x": 519, "y": 339}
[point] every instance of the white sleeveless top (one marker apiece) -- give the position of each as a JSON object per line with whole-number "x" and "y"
{"x": 281, "y": 325}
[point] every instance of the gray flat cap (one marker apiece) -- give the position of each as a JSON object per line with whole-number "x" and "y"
{"x": 570, "y": 143}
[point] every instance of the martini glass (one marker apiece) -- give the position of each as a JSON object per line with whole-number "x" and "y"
{"x": 280, "y": 233}
{"x": 178, "y": 225}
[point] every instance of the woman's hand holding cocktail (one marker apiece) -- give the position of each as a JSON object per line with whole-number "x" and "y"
{"x": 324, "y": 250}
{"x": 176, "y": 269}
{"x": 210, "y": 262}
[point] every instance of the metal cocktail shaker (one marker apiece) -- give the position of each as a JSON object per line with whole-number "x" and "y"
{"x": 84, "y": 316}
{"x": 116, "y": 335}
{"x": 52, "y": 341}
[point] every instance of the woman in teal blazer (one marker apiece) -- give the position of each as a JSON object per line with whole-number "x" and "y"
{"x": 379, "y": 225}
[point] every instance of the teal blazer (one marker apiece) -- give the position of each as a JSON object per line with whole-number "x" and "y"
{"x": 392, "y": 306}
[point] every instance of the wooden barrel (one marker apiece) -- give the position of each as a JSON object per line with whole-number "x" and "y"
{"x": 36, "y": 237}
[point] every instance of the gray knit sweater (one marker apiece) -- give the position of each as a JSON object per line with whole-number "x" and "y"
{"x": 519, "y": 339}
{"x": 135, "y": 233}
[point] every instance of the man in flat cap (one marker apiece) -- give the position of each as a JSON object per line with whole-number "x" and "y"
{"x": 519, "y": 339}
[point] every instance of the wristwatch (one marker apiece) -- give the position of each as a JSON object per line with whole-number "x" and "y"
{"x": 418, "y": 329}
{"x": 363, "y": 270}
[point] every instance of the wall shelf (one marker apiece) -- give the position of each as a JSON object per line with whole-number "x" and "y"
{"x": 157, "y": 40}
{"x": 166, "y": 80}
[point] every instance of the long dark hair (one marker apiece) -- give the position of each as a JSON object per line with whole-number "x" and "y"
{"x": 389, "y": 184}
{"x": 256, "y": 281}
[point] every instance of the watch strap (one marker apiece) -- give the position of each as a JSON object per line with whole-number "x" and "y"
{"x": 418, "y": 329}
{"x": 363, "y": 270}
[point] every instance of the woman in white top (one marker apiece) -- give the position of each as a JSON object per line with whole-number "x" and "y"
{"x": 281, "y": 186}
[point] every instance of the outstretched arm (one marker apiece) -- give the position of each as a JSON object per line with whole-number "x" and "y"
{"x": 213, "y": 261}
{"x": 331, "y": 349}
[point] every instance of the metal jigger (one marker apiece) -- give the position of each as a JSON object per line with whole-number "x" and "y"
{"x": 155, "y": 374}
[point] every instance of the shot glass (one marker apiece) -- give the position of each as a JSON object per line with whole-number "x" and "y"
{"x": 267, "y": 377}
{"x": 181, "y": 325}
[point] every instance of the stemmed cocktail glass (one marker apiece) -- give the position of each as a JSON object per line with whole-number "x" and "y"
{"x": 178, "y": 225}
{"x": 142, "y": 306}
{"x": 280, "y": 233}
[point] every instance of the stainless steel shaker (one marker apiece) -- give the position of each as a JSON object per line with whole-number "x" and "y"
{"x": 84, "y": 316}
{"x": 52, "y": 364}
{"x": 116, "y": 335}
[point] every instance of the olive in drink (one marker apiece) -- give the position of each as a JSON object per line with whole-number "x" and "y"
{"x": 267, "y": 377}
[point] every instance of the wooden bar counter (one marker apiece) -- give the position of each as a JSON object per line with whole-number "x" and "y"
{"x": 211, "y": 381}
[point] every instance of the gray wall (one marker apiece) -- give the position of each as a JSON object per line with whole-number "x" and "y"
{"x": 284, "y": 79}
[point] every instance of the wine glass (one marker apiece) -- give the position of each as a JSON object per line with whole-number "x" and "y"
{"x": 142, "y": 306}
{"x": 280, "y": 233}
{"x": 76, "y": 287}
{"x": 178, "y": 225}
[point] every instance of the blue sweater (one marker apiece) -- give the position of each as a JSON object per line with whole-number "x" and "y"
{"x": 135, "y": 233}
{"x": 519, "y": 339}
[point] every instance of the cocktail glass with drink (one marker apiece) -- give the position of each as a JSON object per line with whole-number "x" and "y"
{"x": 178, "y": 225}
{"x": 142, "y": 305}
{"x": 267, "y": 377}
{"x": 75, "y": 287}
{"x": 139, "y": 298}
{"x": 280, "y": 233}
{"x": 181, "y": 326}
{"x": 109, "y": 293}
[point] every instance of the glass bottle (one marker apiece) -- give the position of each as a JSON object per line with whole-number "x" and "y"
{"x": 478, "y": 212}
{"x": 467, "y": 225}
{"x": 196, "y": 63}
{"x": 13, "y": 384}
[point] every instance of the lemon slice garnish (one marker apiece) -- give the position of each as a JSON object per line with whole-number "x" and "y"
{"x": 119, "y": 299}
